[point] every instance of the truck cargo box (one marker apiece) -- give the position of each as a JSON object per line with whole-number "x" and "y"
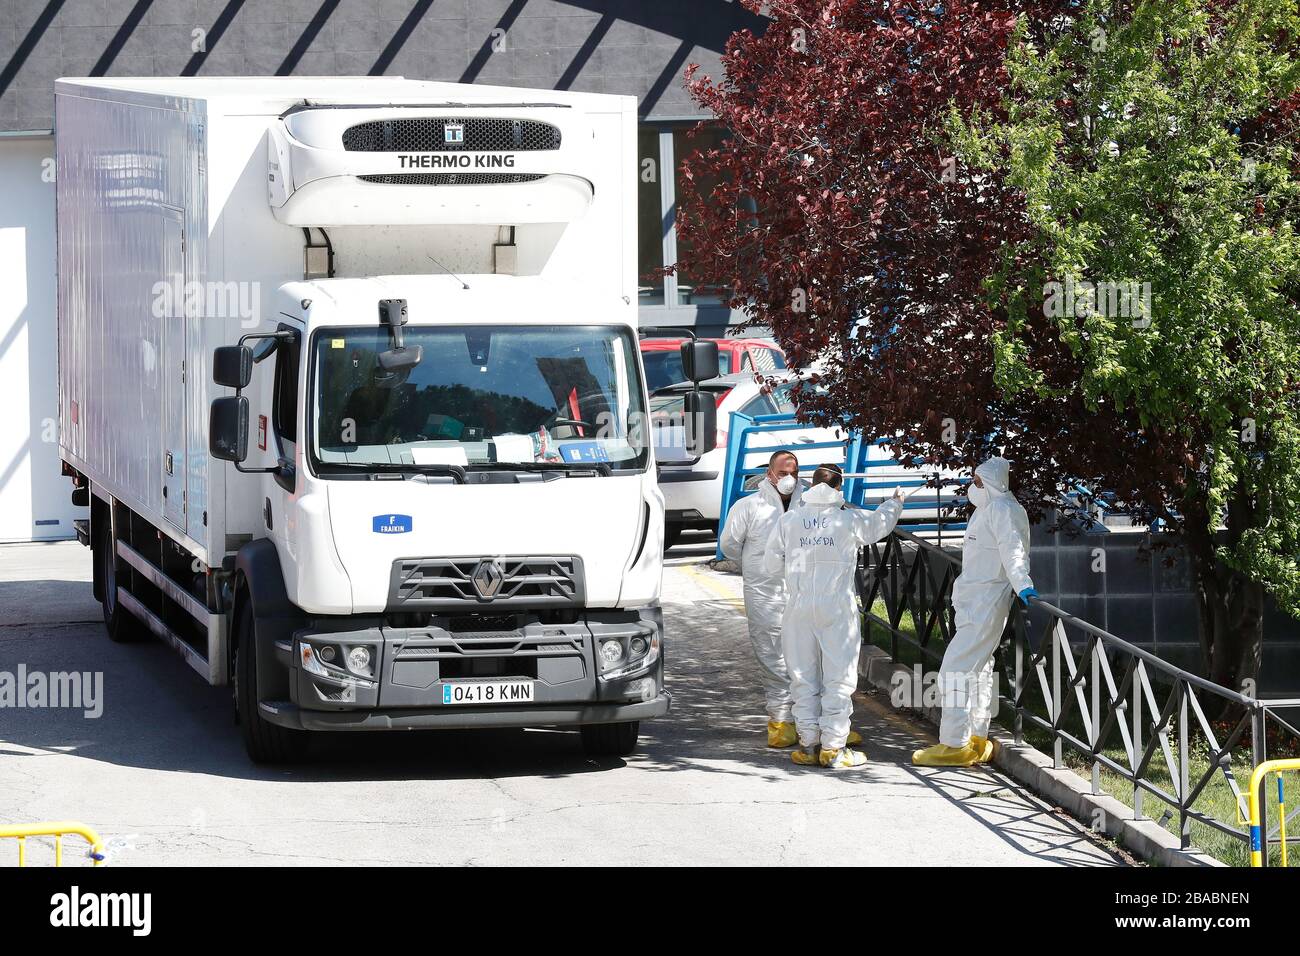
{"x": 184, "y": 204}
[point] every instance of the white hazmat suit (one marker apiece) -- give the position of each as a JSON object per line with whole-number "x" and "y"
{"x": 994, "y": 568}
{"x": 745, "y": 534}
{"x": 816, "y": 547}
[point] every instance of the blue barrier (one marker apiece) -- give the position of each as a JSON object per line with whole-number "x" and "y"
{"x": 857, "y": 464}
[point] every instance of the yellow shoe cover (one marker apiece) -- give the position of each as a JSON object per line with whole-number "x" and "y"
{"x": 941, "y": 755}
{"x": 805, "y": 756}
{"x": 781, "y": 733}
{"x": 983, "y": 747}
{"x": 854, "y": 738}
{"x": 842, "y": 759}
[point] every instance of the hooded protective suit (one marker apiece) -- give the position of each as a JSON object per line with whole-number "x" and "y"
{"x": 995, "y": 567}
{"x": 816, "y": 547}
{"x": 748, "y": 526}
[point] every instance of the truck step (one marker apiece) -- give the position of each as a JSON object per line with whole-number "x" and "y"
{"x": 156, "y": 624}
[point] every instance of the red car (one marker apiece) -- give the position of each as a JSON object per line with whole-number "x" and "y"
{"x": 663, "y": 361}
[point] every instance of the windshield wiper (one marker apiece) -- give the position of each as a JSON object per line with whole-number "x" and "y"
{"x": 600, "y": 467}
{"x": 396, "y": 467}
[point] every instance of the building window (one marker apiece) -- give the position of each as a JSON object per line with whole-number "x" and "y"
{"x": 677, "y": 299}
{"x": 689, "y": 289}
{"x": 649, "y": 217}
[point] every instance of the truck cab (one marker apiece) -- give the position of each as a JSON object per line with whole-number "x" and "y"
{"x": 460, "y": 511}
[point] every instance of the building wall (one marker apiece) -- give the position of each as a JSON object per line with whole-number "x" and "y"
{"x": 34, "y": 499}
{"x": 636, "y": 47}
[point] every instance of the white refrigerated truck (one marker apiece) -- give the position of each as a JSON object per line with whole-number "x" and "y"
{"x": 349, "y": 377}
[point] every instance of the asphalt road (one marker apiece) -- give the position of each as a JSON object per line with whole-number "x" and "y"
{"x": 163, "y": 773}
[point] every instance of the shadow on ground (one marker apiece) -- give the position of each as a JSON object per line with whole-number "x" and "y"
{"x": 159, "y": 715}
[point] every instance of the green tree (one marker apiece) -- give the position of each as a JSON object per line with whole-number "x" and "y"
{"x": 1155, "y": 147}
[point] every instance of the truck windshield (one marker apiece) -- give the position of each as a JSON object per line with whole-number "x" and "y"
{"x": 485, "y": 396}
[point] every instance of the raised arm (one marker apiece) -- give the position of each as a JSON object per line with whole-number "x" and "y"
{"x": 870, "y": 526}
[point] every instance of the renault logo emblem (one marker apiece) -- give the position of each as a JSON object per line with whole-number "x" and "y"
{"x": 487, "y": 578}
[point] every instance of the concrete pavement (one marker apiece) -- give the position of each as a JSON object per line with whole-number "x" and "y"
{"x": 163, "y": 769}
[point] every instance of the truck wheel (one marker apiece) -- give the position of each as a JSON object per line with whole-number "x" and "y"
{"x": 265, "y": 742}
{"x": 121, "y": 624}
{"x": 672, "y": 534}
{"x": 610, "y": 740}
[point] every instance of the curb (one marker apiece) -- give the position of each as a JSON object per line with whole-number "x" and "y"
{"x": 1145, "y": 839}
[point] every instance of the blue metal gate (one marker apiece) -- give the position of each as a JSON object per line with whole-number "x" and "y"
{"x": 862, "y": 469}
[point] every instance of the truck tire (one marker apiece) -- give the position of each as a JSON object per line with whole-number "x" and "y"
{"x": 265, "y": 742}
{"x": 120, "y": 623}
{"x": 672, "y": 534}
{"x": 610, "y": 740}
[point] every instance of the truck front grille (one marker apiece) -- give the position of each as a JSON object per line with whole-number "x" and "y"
{"x": 433, "y": 644}
{"x": 460, "y": 584}
{"x": 428, "y": 134}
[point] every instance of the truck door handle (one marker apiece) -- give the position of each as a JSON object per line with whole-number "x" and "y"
{"x": 266, "y": 513}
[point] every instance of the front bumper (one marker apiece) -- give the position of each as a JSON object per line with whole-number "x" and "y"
{"x": 461, "y": 718}
{"x": 411, "y": 671}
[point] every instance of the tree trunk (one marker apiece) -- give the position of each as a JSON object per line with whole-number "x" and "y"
{"x": 1231, "y": 625}
{"x": 1232, "y": 629}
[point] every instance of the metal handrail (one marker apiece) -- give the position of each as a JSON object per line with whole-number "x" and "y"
{"x": 914, "y": 577}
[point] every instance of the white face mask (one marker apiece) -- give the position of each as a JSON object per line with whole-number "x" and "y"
{"x": 978, "y": 496}
{"x": 785, "y": 484}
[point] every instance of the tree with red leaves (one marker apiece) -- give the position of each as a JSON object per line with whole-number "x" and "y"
{"x": 836, "y": 216}
{"x": 900, "y": 188}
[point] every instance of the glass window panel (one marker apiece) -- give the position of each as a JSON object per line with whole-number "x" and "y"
{"x": 689, "y": 290}
{"x": 649, "y": 218}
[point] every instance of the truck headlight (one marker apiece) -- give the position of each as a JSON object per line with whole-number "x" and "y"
{"x": 359, "y": 660}
{"x": 326, "y": 661}
{"x": 643, "y": 653}
{"x": 611, "y": 652}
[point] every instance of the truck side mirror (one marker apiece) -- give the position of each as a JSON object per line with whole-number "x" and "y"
{"x": 232, "y": 366}
{"x": 399, "y": 359}
{"x": 701, "y": 419}
{"x": 700, "y": 360}
{"x": 228, "y": 427}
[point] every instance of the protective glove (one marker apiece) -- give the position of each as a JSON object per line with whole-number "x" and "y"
{"x": 1026, "y": 594}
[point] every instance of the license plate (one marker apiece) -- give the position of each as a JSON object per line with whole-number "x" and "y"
{"x": 487, "y": 692}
